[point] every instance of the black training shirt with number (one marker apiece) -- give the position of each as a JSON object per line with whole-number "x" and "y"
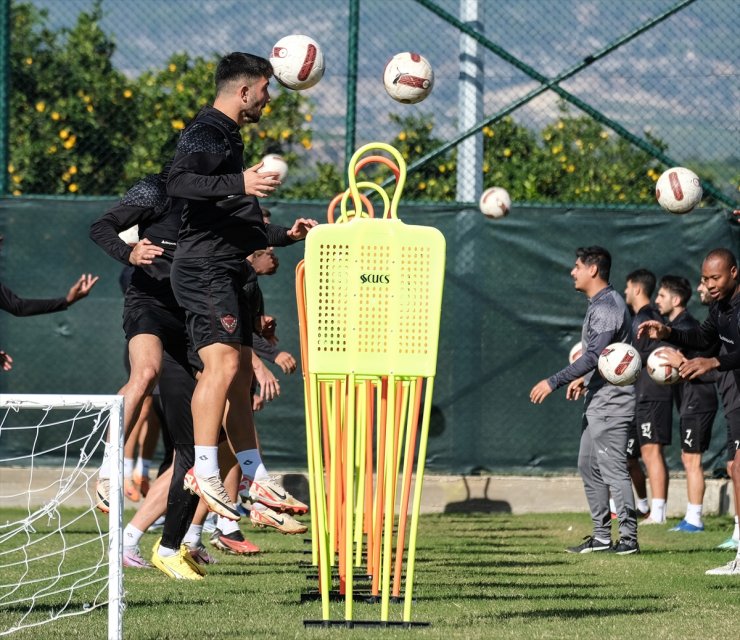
{"x": 219, "y": 219}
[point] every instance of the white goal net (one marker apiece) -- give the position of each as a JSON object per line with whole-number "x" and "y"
{"x": 59, "y": 556}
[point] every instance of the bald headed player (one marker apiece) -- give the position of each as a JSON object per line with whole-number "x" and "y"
{"x": 720, "y": 276}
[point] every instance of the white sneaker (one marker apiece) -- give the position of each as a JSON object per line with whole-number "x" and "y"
{"x": 732, "y": 568}
{"x": 649, "y": 520}
{"x": 271, "y": 493}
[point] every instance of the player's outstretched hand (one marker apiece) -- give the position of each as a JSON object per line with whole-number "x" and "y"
{"x": 260, "y": 184}
{"x": 268, "y": 383}
{"x": 144, "y": 252}
{"x": 6, "y": 362}
{"x": 576, "y": 389}
{"x": 540, "y": 391}
{"x": 286, "y": 362}
{"x": 696, "y": 367}
{"x": 653, "y": 329}
{"x": 301, "y": 227}
{"x": 81, "y": 288}
{"x": 264, "y": 261}
{"x": 672, "y": 356}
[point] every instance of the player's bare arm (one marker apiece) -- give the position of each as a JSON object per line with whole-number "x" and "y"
{"x": 696, "y": 367}
{"x": 81, "y": 288}
{"x": 540, "y": 391}
{"x": 144, "y": 252}
{"x": 268, "y": 383}
{"x": 260, "y": 184}
{"x": 301, "y": 227}
{"x": 654, "y": 330}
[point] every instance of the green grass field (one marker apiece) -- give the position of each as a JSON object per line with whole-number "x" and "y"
{"x": 478, "y": 576}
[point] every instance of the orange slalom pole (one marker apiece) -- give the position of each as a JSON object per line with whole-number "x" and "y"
{"x": 408, "y": 464}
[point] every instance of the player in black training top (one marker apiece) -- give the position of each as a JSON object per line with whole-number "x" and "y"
{"x": 696, "y": 401}
{"x": 221, "y": 225}
{"x": 654, "y": 402}
{"x": 36, "y": 306}
{"x": 719, "y": 274}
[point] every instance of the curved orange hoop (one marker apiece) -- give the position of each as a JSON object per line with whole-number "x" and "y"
{"x": 336, "y": 200}
{"x": 379, "y": 159}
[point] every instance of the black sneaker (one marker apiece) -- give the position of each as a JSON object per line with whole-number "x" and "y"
{"x": 589, "y": 545}
{"x": 625, "y": 548}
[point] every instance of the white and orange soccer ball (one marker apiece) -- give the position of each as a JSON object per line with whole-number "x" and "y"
{"x": 620, "y": 364}
{"x": 408, "y": 77}
{"x": 678, "y": 190}
{"x": 659, "y": 369}
{"x": 297, "y": 61}
{"x": 275, "y": 162}
{"x": 495, "y": 202}
{"x": 576, "y": 351}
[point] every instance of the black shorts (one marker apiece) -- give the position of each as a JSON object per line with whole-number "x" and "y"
{"x": 146, "y": 315}
{"x": 210, "y": 291}
{"x": 633, "y": 444}
{"x": 696, "y": 431}
{"x": 654, "y": 421}
{"x": 733, "y": 433}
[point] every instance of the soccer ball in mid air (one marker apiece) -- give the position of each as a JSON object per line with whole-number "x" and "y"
{"x": 620, "y": 364}
{"x": 678, "y": 190}
{"x": 297, "y": 61}
{"x": 495, "y": 202}
{"x": 274, "y": 162}
{"x": 659, "y": 369}
{"x": 408, "y": 77}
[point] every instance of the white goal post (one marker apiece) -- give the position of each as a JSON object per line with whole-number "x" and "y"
{"x": 51, "y": 565}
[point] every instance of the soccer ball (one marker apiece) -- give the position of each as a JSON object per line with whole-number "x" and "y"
{"x": 495, "y": 202}
{"x": 659, "y": 369}
{"x": 297, "y": 61}
{"x": 130, "y": 235}
{"x": 274, "y": 162}
{"x": 576, "y": 351}
{"x": 620, "y": 364}
{"x": 678, "y": 190}
{"x": 408, "y": 77}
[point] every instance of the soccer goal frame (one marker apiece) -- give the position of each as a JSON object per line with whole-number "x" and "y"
{"x": 114, "y": 405}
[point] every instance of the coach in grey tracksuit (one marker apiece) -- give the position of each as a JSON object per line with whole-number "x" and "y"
{"x": 608, "y": 409}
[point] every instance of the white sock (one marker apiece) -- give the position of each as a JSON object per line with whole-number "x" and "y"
{"x": 192, "y": 537}
{"x": 657, "y": 510}
{"x": 142, "y": 467}
{"x": 612, "y": 505}
{"x": 128, "y": 467}
{"x": 736, "y": 530}
{"x": 643, "y": 506}
{"x": 226, "y": 526}
{"x": 693, "y": 514}
{"x": 206, "y": 461}
{"x": 131, "y": 536}
{"x": 165, "y": 552}
{"x": 250, "y": 461}
{"x": 104, "y": 473}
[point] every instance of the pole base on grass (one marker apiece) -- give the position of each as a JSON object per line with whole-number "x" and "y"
{"x": 351, "y": 624}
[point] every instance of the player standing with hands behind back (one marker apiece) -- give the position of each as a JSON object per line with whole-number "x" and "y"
{"x": 720, "y": 276}
{"x": 609, "y": 410}
{"x": 222, "y": 224}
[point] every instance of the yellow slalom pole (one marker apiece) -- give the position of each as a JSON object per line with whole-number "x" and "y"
{"x": 349, "y": 493}
{"x": 361, "y": 420}
{"x": 390, "y": 467}
{"x": 416, "y": 508}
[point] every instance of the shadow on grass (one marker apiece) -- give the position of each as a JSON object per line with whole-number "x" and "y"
{"x": 576, "y": 614}
{"x": 539, "y": 596}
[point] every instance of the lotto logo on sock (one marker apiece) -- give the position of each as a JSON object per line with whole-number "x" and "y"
{"x": 203, "y": 457}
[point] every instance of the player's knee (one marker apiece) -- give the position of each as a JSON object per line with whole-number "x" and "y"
{"x": 691, "y": 461}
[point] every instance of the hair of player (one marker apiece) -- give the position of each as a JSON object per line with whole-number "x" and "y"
{"x": 598, "y": 256}
{"x": 677, "y": 286}
{"x": 725, "y": 255}
{"x": 241, "y": 66}
{"x": 646, "y": 280}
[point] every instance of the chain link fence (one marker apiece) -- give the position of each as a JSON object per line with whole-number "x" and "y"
{"x": 562, "y": 101}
